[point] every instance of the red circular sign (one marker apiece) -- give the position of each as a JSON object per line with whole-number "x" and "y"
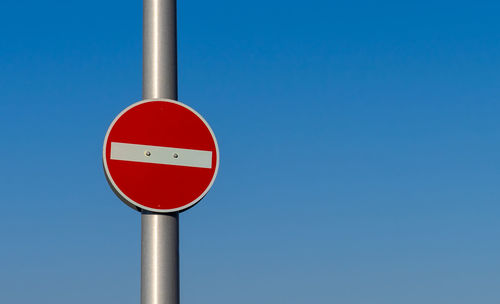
{"x": 160, "y": 155}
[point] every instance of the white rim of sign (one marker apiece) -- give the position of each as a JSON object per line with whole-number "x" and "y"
{"x": 135, "y": 204}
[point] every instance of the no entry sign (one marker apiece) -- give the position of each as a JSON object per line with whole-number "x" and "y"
{"x": 160, "y": 155}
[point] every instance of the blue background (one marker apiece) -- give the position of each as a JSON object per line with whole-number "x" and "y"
{"x": 359, "y": 151}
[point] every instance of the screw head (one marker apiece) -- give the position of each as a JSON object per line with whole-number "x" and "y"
{"x": 147, "y": 153}
{"x": 176, "y": 155}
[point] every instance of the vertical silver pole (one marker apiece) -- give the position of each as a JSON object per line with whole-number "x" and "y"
{"x": 160, "y": 232}
{"x": 160, "y": 259}
{"x": 159, "y": 49}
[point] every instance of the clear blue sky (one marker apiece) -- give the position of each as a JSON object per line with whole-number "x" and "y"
{"x": 359, "y": 151}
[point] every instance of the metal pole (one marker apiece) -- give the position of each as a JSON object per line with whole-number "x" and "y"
{"x": 160, "y": 232}
{"x": 160, "y": 259}
{"x": 159, "y": 49}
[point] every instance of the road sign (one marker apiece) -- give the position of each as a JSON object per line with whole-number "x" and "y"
{"x": 160, "y": 155}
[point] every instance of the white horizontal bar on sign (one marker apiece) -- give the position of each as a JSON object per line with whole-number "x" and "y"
{"x": 161, "y": 155}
